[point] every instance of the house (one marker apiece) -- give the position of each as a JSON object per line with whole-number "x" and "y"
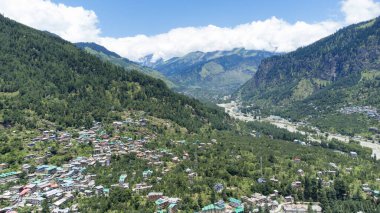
{"x": 26, "y": 168}
{"x": 24, "y": 192}
{"x": 172, "y": 208}
{"x": 367, "y": 189}
{"x": 175, "y": 159}
{"x": 296, "y": 184}
{"x": 58, "y": 210}
{"x": 218, "y": 187}
{"x": 214, "y": 208}
{"x": 147, "y": 173}
{"x": 300, "y": 172}
{"x": 3, "y": 166}
{"x": 162, "y": 203}
{"x": 289, "y": 199}
{"x": 297, "y": 160}
{"x": 274, "y": 180}
{"x": 40, "y": 160}
{"x": 331, "y": 172}
{"x": 261, "y": 180}
{"x": 34, "y": 200}
{"x": 152, "y": 196}
{"x": 141, "y": 187}
{"x": 234, "y": 202}
{"x": 192, "y": 175}
{"x": 9, "y": 177}
{"x": 333, "y": 165}
{"x": 300, "y": 208}
{"x": 353, "y": 154}
{"x": 53, "y": 193}
{"x": 88, "y": 193}
{"x": 122, "y": 179}
{"x": 99, "y": 190}
{"x": 60, "y": 202}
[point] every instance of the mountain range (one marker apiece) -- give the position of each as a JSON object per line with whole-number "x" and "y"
{"x": 209, "y": 75}
{"x": 204, "y": 75}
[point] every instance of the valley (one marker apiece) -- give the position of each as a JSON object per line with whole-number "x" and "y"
{"x": 233, "y": 109}
{"x": 219, "y": 123}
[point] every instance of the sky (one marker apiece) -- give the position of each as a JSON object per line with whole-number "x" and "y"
{"x": 170, "y": 28}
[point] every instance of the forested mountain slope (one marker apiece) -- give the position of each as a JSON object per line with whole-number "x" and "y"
{"x": 116, "y": 59}
{"x": 338, "y": 71}
{"x": 44, "y": 78}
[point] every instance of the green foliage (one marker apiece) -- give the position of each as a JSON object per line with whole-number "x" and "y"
{"x": 275, "y": 132}
{"x": 58, "y": 82}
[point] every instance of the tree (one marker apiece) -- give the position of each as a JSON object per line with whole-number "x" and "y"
{"x": 341, "y": 188}
{"x": 45, "y": 206}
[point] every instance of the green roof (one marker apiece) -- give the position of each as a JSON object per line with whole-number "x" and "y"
{"x": 4, "y": 175}
{"x": 239, "y": 209}
{"x": 234, "y": 200}
{"x": 212, "y": 207}
{"x": 122, "y": 178}
{"x": 147, "y": 172}
{"x": 160, "y": 201}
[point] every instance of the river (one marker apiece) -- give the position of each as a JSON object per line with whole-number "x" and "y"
{"x": 232, "y": 109}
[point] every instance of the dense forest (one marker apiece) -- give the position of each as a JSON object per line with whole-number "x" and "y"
{"x": 46, "y": 79}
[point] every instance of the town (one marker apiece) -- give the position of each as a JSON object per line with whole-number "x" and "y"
{"x": 59, "y": 186}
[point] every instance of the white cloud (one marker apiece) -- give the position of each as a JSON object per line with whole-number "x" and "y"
{"x": 360, "y": 10}
{"x": 72, "y": 23}
{"x": 78, "y": 24}
{"x": 269, "y": 34}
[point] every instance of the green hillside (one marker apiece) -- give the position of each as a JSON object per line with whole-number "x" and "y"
{"x": 46, "y": 79}
{"x": 341, "y": 70}
{"x": 114, "y": 58}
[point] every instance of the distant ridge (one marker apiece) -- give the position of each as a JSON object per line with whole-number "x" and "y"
{"x": 209, "y": 75}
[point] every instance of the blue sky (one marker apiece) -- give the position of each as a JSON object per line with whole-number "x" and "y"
{"x": 171, "y": 28}
{"x": 131, "y": 17}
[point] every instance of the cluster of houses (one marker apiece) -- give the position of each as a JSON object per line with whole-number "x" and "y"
{"x": 233, "y": 205}
{"x": 59, "y": 185}
{"x": 258, "y": 201}
{"x": 164, "y": 203}
{"x": 371, "y": 192}
{"x": 367, "y": 110}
